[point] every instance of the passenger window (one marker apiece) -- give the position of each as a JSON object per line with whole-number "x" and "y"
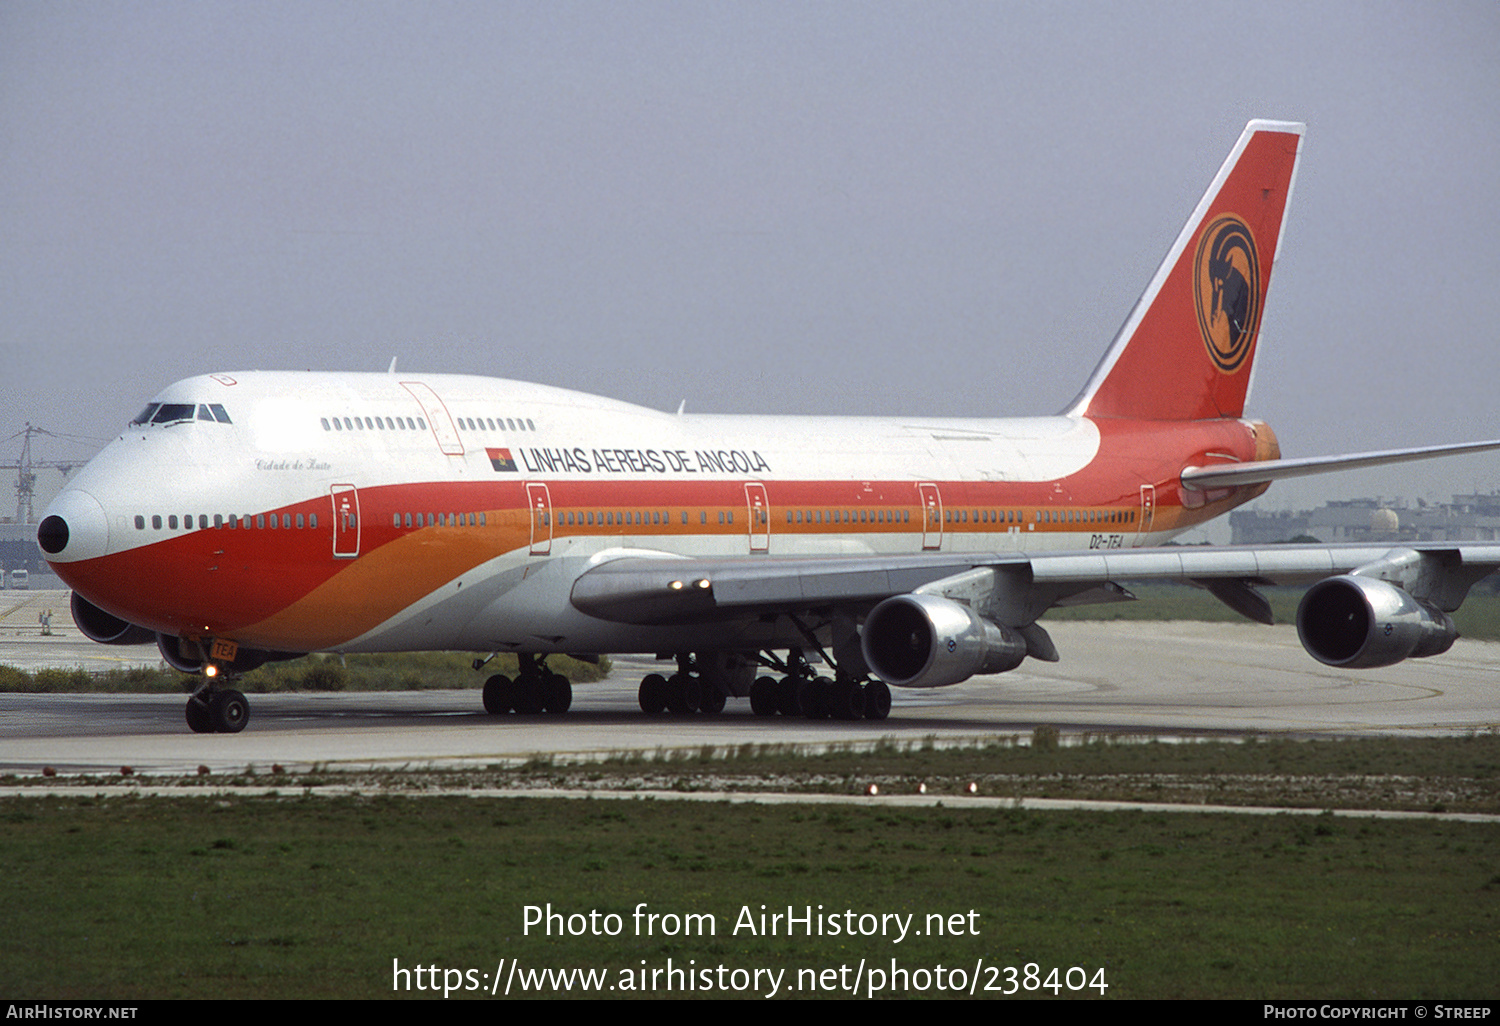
{"x": 156, "y": 523}
{"x": 325, "y": 423}
{"x": 140, "y": 523}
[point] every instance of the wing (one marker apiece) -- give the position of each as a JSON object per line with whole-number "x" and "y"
{"x": 954, "y": 615}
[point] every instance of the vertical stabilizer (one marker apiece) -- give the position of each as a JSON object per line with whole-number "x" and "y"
{"x": 1187, "y": 350}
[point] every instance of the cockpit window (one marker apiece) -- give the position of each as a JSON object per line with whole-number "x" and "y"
{"x": 171, "y": 413}
{"x": 176, "y": 413}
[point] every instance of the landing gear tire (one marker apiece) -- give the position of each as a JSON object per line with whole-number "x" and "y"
{"x": 528, "y": 693}
{"x": 712, "y": 700}
{"x": 846, "y": 700}
{"x": 200, "y": 719}
{"x": 814, "y": 697}
{"x": 230, "y": 711}
{"x": 788, "y": 698}
{"x": 557, "y": 694}
{"x": 683, "y": 694}
{"x": 653, "y": 694}
{"x": 499, "y": 695}
{"x": 763, "y": 696}
{"x": 877, "y": 700}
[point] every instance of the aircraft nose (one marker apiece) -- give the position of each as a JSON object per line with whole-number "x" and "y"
{"x": 73, "y": 528}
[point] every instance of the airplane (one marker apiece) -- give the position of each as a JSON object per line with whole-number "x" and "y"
{"x": 249, "y": 516}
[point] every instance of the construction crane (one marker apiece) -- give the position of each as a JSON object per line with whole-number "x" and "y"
{"x": 27, "y": 467}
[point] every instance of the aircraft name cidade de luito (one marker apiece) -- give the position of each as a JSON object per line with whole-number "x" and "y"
{"x": 250, "y": 516}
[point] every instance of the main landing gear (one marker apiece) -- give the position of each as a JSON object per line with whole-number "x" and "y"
{"x": 801, "y": 693}
{"x": 699, "y": 687}
{"x": 683, "y": 693}
{"x": 213, "y": 710}
{"x": 536, "y": 689}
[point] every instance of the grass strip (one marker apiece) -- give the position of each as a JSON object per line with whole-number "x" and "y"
{"x": 302, "y": 896}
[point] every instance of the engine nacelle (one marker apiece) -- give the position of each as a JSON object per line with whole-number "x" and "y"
{"x": 180, "y": 653}
{"x": 186, "y": 655}
{"x": 1357, "y": 622}
{"x": 106, "y": 628}
{"x": 925, "y": 641}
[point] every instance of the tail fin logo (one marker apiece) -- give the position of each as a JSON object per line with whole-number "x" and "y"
{"x": 1226, "y": 286}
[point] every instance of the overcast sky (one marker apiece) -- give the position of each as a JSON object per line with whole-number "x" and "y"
{"x": 866, "y": 208}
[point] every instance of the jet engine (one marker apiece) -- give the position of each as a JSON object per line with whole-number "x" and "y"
{"x": 926, "y": 641}
{"x": 186, "y": 655}
{"x": 106, "y": 628}
{"x": 1357, "y": 622}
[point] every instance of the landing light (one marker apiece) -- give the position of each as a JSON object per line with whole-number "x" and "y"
{"x": 703, "y": 583}
{"x": 210, "y": 670}
{"x": 675, "y": 586}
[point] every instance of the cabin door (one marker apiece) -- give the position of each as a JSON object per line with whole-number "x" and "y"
{"x": 932, "y": 516}
{"x": 540, "y": 504}
{"x": 760, "y": 516}
{"x": 345, "y": 521}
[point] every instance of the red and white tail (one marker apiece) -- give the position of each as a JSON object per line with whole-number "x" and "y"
{"x": 1187, "y": 350}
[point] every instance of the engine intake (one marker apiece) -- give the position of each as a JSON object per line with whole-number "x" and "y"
{"x": 1360, "y": 622}
{"x": 924, "y": 641}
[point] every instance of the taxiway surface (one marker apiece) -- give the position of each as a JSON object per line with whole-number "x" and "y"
{"x": 1162, "y": 679}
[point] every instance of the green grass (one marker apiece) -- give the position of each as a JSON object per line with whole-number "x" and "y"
{"x": 314, "y": 897}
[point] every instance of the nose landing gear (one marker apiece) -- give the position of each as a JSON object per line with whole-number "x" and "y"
{"x": 213, "y": 710}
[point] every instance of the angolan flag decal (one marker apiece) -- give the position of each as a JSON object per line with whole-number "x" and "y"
{"x": 501, "y": 460}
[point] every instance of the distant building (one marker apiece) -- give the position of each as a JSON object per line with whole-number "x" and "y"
{"x": 1466, "y": 518}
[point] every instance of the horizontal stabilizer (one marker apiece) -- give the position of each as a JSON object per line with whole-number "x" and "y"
{"x": 1233, "y": 475}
